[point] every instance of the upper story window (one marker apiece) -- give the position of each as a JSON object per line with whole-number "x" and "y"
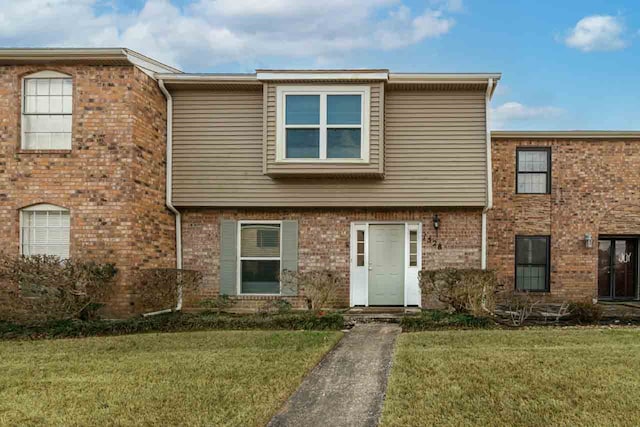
{"x": 46, "y": 111}
{"x": 44, "y": 230}
{"x": 534, "y": 170}
{"x": 323, "y": 124}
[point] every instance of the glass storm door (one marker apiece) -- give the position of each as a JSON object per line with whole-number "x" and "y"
{"x": 617, "y": 268}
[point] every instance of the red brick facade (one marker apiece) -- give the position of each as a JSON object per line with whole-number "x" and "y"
{"x": 594, "y": 189}
{"x": 323, "y": 240}
{"x": 113, "y": 178}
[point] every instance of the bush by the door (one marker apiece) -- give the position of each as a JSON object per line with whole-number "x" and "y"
{"x": 462, "y": 290}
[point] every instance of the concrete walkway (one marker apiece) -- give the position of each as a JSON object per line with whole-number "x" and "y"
{"x": 347, "y": 388}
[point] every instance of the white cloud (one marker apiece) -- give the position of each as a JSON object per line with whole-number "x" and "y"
{"x": 597, "y": 33}
{"x": 449, "y": 5}
{"x": 210, "y": 32}
{"x": 515, "y": 112}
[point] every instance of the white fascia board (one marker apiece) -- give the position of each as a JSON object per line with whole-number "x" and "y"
{"x": 267, "y": 76}
{"x": 442, "y": 77}
{"x": 148, "y": 65}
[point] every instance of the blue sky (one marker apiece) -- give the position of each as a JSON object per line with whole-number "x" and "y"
{"x": 570, "y": 64}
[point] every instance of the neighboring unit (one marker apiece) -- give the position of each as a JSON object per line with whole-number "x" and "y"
{"x": 82, "y": 159}
{"x": 566, "y": 215}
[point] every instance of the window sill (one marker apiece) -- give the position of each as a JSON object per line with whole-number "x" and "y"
{"x": 257, "y": 296}
{"x": 323, "y": 161}
{"x": 58, "y": 152}
{"x": 524, "y": 292}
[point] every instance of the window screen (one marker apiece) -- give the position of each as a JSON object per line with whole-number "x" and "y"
{"x": 533, "y": 171}
{"x": 46, "y": 119}
{"x": 45, "y": 232}
{"x": 532, "y": 263}
{"x": 260, "y": 258}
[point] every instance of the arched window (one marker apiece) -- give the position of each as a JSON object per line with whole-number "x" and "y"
{"x": 46, "y": 111}
{"x": 44, "y": 230}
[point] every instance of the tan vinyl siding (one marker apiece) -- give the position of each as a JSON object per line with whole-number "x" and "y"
{"x": 375, "y": 165}
{"x": 434, "y": 143}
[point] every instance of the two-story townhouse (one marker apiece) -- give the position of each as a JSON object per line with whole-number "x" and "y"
{"x": 82, "y": 159}
{"x": 566, "y": 216}
{"x": 369, "y": 173}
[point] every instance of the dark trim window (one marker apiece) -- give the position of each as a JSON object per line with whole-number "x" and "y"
{"x": 534, "y": 170}
{"x": 532, "y": 263}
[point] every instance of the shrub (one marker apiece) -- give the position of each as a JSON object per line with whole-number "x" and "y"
{"x": 219, "y": 304}
{"x": 279, "y": 305}
{"x": 431, "y": 320}
{"x": 519, "y": 306}
{"x": 585, "y": 312}
{"x": 462, "y": 290}
{"x": 157, "y": 289}
{"x": 172, "y": 322}
{"x": 318, "y": 286}
{"x": 44, "y": 287}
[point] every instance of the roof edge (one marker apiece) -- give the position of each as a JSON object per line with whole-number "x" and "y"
{"x": 566, "y": 134}
{"x": 443, "y": 77}
{"x": 316, "y": 75}
{"x": 26, "y": 55}
{"x": 331, "y": 75}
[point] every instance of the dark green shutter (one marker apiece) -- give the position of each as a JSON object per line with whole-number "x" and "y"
{"x": 289, "y": 252}
{"x": 228, "y": 257}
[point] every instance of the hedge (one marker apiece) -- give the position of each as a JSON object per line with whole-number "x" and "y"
{"x": 172, "y": 322}
{"x": 431, "y": 320}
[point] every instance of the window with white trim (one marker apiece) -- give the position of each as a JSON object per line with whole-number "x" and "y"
{"x": 260, "y": 258}
{"x": 323, "y": 123}
{"x": 44, "y": 230}
{"x": 47, "y": 111}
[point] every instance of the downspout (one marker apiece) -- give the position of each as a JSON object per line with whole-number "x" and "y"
{"x": 489, "y": 205}
{"x": 169, "y": 183}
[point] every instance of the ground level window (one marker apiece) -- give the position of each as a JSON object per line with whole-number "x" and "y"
{"x": 532, "y": 263}
{"x": 45, "y": 231}
{"x": 260, "y": 258}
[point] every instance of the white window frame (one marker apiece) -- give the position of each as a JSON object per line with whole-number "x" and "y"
{"x": 323, "y": 92}
{"x": 241, "y": 258}
{"x": 41, "y": 207}
{"x": 48, "y": 74}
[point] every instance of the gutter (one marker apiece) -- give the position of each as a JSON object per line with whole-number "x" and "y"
{"x": 489, "y": 93}
{"x": 169, "y": 190}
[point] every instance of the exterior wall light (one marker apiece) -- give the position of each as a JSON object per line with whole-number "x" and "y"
{"x": 436, "y": 222}
{"x": 588, "y": 241}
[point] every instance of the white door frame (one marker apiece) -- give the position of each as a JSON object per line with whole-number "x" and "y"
{"x": 359, "y": 275}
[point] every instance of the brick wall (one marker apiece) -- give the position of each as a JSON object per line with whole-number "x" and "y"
{"x": 112, "y": 180}
{"x": 324, "y": 240}
{"x": 594, "y": 189}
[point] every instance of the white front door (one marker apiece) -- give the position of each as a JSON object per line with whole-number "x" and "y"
{"x": 385, "y": 260}
{"x": 386, "y": 264}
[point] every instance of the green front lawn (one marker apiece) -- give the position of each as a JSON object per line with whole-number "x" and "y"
{"x": 238, "y": 378}
{"x": 538, "y": 377}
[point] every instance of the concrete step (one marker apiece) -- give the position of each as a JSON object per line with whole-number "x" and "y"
{"x": 379, "y": 314}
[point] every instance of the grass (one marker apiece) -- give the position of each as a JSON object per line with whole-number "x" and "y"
{"x": 222, "y": 378}
{"x": 536, "y": 377}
